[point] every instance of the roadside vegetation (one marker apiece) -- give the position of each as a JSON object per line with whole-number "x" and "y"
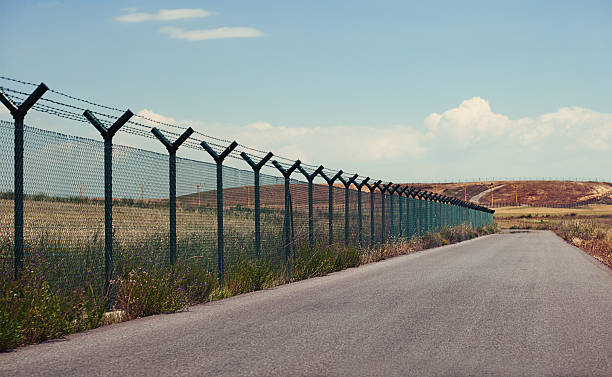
{"x": 31, "y": 310}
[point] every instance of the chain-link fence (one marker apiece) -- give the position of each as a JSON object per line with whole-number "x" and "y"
{"x": 93, "y": 211}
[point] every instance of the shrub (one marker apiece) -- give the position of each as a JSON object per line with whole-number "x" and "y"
{"x": 319, "y": 262}
{"x": 249, "y": 276}
{"x": 31, "y": 312}
{"x": 159, "y": 290}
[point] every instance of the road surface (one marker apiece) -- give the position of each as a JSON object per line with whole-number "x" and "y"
{"x": 506, "y": 304}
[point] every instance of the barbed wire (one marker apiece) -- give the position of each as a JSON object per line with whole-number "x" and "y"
{"x": 72, "y": 116}
{"x": 283, "y": 160}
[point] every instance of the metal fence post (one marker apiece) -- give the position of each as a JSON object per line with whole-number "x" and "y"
{"x": 359, "y": 209}
{"x": 400, "y": 194}
{"x": 286, "y": 223}
{"x": 218, "y": 158}
{"x": 410, "y": 216}
{"x": 256, "y": 169}
{"x": 436, "y": 212}
{"x": 422, "y": 216}
{"x": 330, "y": 183}
{"x": 19, "y": 113}
{"x": 383, "y": 189}
{"x": 172, "y": 148}
{"x": 347, "y": 183}
{"x": 430, "y": 212}
{"x": 392, "y": 191}
{"x": 107, "y": 135}
{"x": 310, "y": 178}
{"x": 372, "y": 188}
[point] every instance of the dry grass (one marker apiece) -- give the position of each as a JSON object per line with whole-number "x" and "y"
{"x": 588, "y": 210}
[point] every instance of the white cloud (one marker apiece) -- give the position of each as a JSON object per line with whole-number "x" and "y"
{"x": 473, "y": 122}
{"x": 205, "y": 34}
{"x": 468, "y": 123}
{"x": 464, "y": 141}
{"x": 163, "y": 15}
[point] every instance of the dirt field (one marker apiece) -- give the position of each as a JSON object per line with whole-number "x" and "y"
{"x": 542, "y": 217}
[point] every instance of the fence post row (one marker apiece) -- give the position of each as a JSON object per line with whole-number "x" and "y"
{"x": 107, "y": 135}
{"x": 19, "y": 113}
{"x": 400, "y": 194}
{"x": 347, "y": 183}
{"x": 286, "y": 221}
{"x": 310, "y": 178}
{"x": 256, "y": 169}
{"x": 330, "y": 183}
{"x": 372, "y": 187}
{"x": 359, "y": 212}
{"x": 383, "y": 189}
{"x": 218, "y": 158}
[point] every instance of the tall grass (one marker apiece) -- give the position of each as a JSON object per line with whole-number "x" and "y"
{"x": 40, "y": 305}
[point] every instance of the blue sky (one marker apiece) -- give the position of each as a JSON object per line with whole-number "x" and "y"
{"x": 396, "y": 89}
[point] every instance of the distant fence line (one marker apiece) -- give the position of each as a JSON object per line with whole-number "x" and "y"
{"x": 242, "y": 214}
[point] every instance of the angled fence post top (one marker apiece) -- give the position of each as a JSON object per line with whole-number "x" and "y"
{"x": 384, "y": 188}
{"x": 330, "y": 181}
{"x": 362, "y": 183}
{"x": 286, "y": 172}
{"x": 253, "y": 165}
{"x": 21, "y": 110}
{"x": 310, "y": 177}
{"x": 348, "y": 182}
{"x": 172, "y": 147}
{"x": 402, "y": 190}
{"x": 108, "y": 133}
{"x": 394, "y": 189}
{"x": 373, "y": 186}
{"x": 412, "y": 192}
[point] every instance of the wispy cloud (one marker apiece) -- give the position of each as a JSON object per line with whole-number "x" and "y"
{"x": 205, "y": 34}
{"x": 163, "y": 15}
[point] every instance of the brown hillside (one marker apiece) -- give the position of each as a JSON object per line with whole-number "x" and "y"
{"x": 535, "y": 193}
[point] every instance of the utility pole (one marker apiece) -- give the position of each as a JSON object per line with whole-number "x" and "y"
{"x": 491, "y": 194}
{"x": 516, "y": 194}
{"x": 141, "y": 193}
{"x": 465, "y": 193}
{"x": 81, "y": 187}
{"x": 197, "y": 185}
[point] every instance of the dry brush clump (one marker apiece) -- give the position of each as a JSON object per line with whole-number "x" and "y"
{"x": 594, "y": 238}
{"x": 428, "y": 240}
{"x": 31, "y": 311}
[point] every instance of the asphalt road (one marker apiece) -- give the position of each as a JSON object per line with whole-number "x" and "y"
{"x": 507, "y": 304}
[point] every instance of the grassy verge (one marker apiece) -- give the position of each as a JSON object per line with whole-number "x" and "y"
{"x": 31, "y": 311}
